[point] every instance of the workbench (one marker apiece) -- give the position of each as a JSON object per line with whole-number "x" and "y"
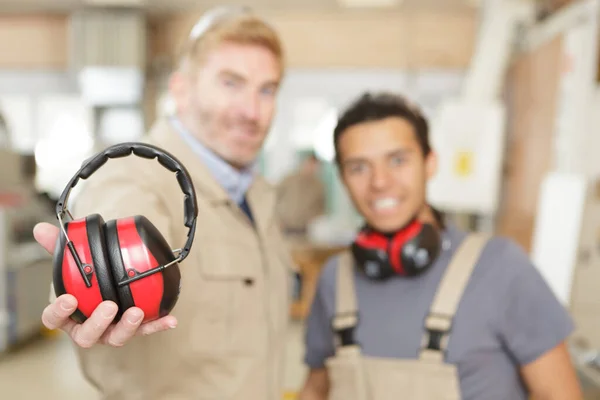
{"x": 310, "y": 258}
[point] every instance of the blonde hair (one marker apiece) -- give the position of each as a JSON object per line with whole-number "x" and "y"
{"x": 229, "y": 25}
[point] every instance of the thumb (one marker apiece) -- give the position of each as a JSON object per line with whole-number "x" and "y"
{"x": 46, "y": 235}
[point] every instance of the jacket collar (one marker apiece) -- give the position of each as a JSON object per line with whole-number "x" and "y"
{"x": 165, "y": 136}
{"x": 260, "y": 195}
{"x": 235, "y": 182}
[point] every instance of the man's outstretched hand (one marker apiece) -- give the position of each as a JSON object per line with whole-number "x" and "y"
{"x": 97, "y": 328}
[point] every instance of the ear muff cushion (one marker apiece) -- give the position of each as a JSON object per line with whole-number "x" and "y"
{"x": 372, "y": 241}
{"x": 118, "y": 267}
{"x": 101, "y": 261}
{"x": 146, "y": 248}
{"x": 397, "y": 244}
{"x": 57, "y": 277}
{"x": 88, "y": 237}
{"x": 162, "y": 253}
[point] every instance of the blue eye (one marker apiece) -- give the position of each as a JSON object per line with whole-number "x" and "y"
{"x": 230, "y": 83}
{"x": 356, "y": 168}
{"x": 268, "y": 91}
{"x": 397, "y": 160}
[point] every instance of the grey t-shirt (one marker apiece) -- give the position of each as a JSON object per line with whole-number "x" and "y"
{"x": 508, "y": 317}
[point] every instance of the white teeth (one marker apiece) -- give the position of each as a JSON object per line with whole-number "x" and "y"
{"x": 386, "y": 203}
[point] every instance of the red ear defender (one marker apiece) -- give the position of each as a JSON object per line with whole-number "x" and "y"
{"x": 126, "y": 260}
{"x": 408, "y": 252}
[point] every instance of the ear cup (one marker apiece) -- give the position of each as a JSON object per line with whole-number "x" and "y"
{"x": 135, "y": 246}
{"x": 87, "y": 236}
{"x": 100, "y": 258}
{"x": 407, "y": 252}
{"x": 119, "y": 270}
{"x": 162, "y": 252}
{"x": 400, "y": 247}
{"x": 420, "y": 252}
{"x": 370, "y": 253}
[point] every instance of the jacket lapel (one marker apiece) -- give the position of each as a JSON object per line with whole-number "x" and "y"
{"x": 260, "y": 196}
{"x": 165, "y": 136}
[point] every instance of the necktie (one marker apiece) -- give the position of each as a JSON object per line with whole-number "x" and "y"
{"x": 246, "y": 209}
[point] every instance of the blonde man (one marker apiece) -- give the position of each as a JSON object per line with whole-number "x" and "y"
{"x": 231, "y": 316}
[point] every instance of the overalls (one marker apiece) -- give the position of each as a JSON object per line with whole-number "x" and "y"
{"x": 354, "y": 376}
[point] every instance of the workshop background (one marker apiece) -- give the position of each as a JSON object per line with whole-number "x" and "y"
{"x": 511, "y": 87}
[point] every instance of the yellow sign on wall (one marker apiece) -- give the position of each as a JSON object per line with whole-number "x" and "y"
{"x": 463, "y": 163}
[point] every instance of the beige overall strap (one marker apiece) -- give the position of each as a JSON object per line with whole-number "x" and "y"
{"x": 445, "y": 303}
{"x": 346, "y": 309}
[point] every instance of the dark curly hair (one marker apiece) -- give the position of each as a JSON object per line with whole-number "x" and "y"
{"x": 378, "y": 106}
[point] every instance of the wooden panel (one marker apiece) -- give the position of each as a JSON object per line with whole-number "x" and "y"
{"x": 310, "y": 261}
{"x": 33, "y": 42}
{"x": 548, "y": 7}
{"x": 442, "y": 39}
{"x": 532, "y": 93}
{"x": 397, "y": 39}
{"x": 333, "y": 41}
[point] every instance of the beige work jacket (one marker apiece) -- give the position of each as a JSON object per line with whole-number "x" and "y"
{"x": 233, "y": 307}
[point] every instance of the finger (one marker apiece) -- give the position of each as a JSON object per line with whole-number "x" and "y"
{"x": 126, "y": 328}
{"x": 87, "y": 334}
{"x": 56, "y": 315}
{"x": 163, "y": 324}
{"x": 46, "y": 235}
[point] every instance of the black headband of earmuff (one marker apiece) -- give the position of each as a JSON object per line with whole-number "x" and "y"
{"x": 142, "y": 150}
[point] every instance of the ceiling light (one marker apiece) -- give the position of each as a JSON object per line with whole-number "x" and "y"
{"x": 116, "y": 3}
{"x": 370, "y": 3}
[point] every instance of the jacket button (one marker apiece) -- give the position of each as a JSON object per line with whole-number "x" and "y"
{"x": 248, "y": 282}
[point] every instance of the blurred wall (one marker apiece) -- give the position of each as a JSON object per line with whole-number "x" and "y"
{"x": 404, "y": 39}
{"x": 532, "y": 92}
{"x": 320, "y": 39}
{"x": 33, "y": 42}
{"x": 401, "y": 39}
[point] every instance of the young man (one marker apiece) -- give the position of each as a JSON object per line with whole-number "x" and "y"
{"x": 402, "y": 315}
{"x": 231, "y": 317}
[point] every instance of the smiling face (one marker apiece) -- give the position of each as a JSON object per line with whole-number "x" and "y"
{"x": 385, "y": 171}
{"x": 228, "y": 101}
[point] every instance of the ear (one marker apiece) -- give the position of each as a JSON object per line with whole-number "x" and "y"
{"x": 342, "y": 177}
{"x": 340, "y": 172}
{"x": 179, "y": 88}
{"x": 431, "y": 164}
